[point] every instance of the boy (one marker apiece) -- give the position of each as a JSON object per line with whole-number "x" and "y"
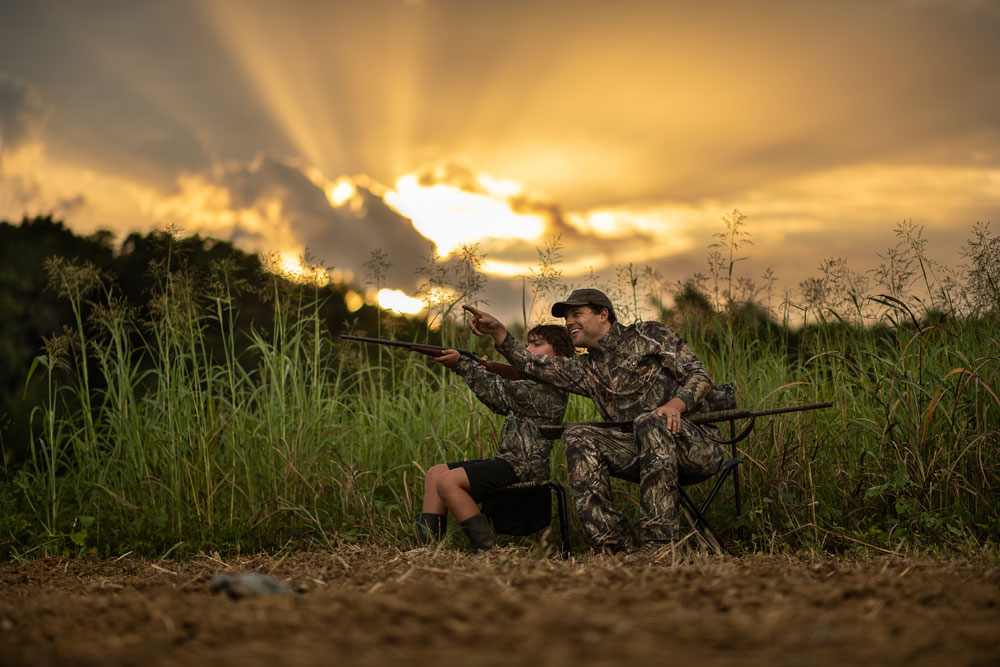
{"x": 522, "y": 453}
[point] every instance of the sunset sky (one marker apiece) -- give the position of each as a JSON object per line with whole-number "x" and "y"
{"x": 628, "y": 128}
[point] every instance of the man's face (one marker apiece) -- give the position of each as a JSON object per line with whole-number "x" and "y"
{"x": 585, "y": 326}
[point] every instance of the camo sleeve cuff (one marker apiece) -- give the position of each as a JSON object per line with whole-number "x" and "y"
{"x": 464, "y": 366}
{"x": 687, "y": 396}
{"x": 507, "y": 346}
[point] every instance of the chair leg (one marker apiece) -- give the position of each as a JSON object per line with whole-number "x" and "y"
{"x": 736, "y": 482}
{"x": 562, "y": 503}
{"x": 718, "y": 487}
{"x": 701, "y": 524}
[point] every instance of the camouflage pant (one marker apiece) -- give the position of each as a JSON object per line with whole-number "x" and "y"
{"x": 651, "y": 456}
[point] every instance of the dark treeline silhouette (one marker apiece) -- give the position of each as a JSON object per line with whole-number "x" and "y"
{"x": 31, "y": 310}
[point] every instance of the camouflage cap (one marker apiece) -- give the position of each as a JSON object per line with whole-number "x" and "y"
{"x": 584, "y": 297}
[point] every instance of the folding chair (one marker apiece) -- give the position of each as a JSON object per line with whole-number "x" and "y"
{"x": 729, "y": 468}
{"x": 526, "y": 508}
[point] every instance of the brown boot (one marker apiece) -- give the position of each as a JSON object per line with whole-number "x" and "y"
{"x": 479, "y": 531}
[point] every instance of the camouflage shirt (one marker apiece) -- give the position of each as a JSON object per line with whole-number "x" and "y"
{"x": 527, "y": 405}
{"x": 637, "y": 369}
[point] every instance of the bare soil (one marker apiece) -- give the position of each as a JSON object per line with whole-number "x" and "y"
{"x": 375, "y": 606}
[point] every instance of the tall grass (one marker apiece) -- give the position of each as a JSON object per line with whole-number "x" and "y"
{"x": 908, "y": 458}
{"x": 201, "y": 437}
{"x": 269, "y": 438}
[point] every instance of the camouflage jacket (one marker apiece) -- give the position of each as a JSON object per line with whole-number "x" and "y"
{"x": 637, "y": 369}
{"x": 527, "y": 405}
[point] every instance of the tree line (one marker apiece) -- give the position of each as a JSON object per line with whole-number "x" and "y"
{"x": 31, "y": 310}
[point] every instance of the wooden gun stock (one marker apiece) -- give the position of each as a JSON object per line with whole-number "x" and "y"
{"x": 503, "y": 370}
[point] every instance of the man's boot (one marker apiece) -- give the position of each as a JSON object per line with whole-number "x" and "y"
{"x": 479, "y": 531}
{"x": 430, "y": 528}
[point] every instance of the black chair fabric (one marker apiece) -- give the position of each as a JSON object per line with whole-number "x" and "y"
{"x": 525, "y": 512}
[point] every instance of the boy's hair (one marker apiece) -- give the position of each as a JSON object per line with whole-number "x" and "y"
{"x": 556, "y": 336}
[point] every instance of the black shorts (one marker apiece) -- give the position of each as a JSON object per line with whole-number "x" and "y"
{"x": 486, "y": 475}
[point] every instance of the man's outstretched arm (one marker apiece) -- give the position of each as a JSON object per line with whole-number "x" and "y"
{"x": 560, "y": 372}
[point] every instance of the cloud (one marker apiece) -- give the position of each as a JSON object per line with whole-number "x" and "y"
{"x": 988, "y": 7}
{"x": 21, "y": 114}
{"x": 66, "y": 207}
{"x": 282, "y": 205}
{"x": 454, "y": 203}
{"x": 28, "y": 184}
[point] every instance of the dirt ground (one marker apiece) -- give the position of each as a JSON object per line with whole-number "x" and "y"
{"x": 372, "y": 606}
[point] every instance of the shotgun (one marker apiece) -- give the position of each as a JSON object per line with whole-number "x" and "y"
{"x": 503, "y": 370}
{"x": 553, "y": 432}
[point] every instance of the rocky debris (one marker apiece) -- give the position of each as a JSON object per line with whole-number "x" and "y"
{"x": 248, "y": 584}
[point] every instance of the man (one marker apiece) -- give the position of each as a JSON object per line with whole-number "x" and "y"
{"x": 644, "y": 373}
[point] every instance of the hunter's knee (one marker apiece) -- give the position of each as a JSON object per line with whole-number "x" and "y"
{"x": 575, "y": 437}
{"x": 649, "y": 421}
{"x": 448, "y": 483}
{"x": 434, "y": 473}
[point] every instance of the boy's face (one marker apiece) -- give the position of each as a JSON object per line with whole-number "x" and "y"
{"x": 538, "y": 345}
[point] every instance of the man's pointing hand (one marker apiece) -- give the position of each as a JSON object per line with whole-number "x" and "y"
{"x": 482, "y": 323}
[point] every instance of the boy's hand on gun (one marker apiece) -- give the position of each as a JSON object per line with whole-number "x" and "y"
{"x": 447, "y": 358}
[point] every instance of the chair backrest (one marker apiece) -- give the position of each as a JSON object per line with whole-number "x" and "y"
{"x": 720, "y": 397}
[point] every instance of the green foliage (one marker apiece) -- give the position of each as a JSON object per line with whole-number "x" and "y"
{"x": 32, "y": 308}
{"x": 908, "y": 458}
{"x": 173, "y": 423}
{"x": 170, "y": 427}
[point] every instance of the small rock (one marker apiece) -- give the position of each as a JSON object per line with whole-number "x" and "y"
{"x": 248, "y": 584}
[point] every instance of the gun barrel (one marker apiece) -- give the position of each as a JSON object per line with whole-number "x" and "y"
{"x": 726, "y": 415}
{"x": 553, "y": 432}
{"x": 795, "y": 408}
{"x": 408, "y": 346}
